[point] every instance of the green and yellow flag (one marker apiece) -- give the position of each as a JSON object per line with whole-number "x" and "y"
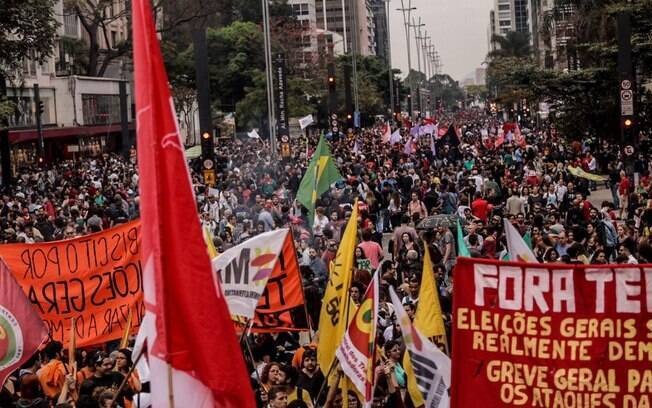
{"x": 428, "y": 320}
{"x": 333, "y": 320}
{"x": 321, "y": 173}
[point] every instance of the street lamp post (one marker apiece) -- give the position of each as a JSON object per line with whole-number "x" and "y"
{"x": 417, "y": 38}
{"x": 406, "y": 21}
{"x": 389, "y": 61}
{"x": 269, "y": 78}
{"x": 354, "y": 59}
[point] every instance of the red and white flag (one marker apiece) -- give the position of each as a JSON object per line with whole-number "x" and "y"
{"x": 387, "y": 133}
{"x": 518, "y": 137}
{"x": 500, "y": 139}
{"x": 193, "y": 352}
{"x": 22, "y": 329}
{"x": 357, "y": 351}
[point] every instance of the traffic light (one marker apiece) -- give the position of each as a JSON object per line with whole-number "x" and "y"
{"x": 207, "y": 146}
{"x": 41, "y": 108}
{"x": 331, "y": 76}
{"x": 628, "y": 134}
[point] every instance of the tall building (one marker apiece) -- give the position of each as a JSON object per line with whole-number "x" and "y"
{"x": 380, "y": 25}
{"x": 514, "y": 15}
{"x": 558, "y": 47}
{"x": 305, "y": 52}
{"x": 361, "y": 17}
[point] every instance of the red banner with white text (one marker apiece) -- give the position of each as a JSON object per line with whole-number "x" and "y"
{"x": 565, "y": 336}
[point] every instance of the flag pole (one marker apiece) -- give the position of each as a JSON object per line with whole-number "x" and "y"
{"x": 305, "y": 307}
{"x": 330, "y": 371}
{"x": 251, "y": 356}
{"x": 170, "y": 386}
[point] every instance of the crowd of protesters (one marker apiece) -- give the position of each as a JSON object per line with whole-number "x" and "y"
{"x": 464, "y": 176}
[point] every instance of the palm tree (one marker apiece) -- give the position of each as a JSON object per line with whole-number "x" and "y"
{"x": 513, "y": 44}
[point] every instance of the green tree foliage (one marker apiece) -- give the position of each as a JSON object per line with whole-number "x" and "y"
{"x": 93, "y": 58}
{"x": 444, "y": 87}
{"x": 27, "y": 30}
{"x": 585, "y": 97}
{"x": 513, "y": 45}
{"x": 237, "y": 77}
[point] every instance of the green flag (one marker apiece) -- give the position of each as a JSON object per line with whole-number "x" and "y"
{"x": 462, "y": 249}
{"x": 528, "y": 239}
{"x": 321, "y": 173}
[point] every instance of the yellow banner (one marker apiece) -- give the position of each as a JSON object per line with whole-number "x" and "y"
{"x": 335, "y": 305}
{"x": 579, "y": 172}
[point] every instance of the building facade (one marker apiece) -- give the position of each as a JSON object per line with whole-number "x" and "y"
{"x": 381, "y": 28}
{"x": 514, "y": 15}
{"x": 80, "y": 114}
{"x": 331, "y": 16}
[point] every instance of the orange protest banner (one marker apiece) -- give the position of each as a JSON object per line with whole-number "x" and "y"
{"x": 95, "y": 280}
{"x": 282, "y": 306}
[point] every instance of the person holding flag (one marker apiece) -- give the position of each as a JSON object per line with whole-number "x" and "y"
{"x": 187, "y": 327}
{"x": 357, "y": 351}
{"x": 321, "y": 173}
{"x": 335, "y": 310}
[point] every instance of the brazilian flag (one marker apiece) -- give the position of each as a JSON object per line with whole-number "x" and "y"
{"x": 321, "y": 173}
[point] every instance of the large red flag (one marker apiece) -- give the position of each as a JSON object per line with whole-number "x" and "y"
{"x": 193, "y": 351}
{"x": 22, "y": 331}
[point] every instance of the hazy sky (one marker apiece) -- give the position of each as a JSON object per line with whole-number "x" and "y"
{"x": 458, "y": 29}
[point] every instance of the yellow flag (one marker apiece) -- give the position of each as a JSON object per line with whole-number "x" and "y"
{"x": 428, "y": 320}
{"x": 335, "y": 305}
{"x": 124, "y": 342}
{"x": 208, "y": 238}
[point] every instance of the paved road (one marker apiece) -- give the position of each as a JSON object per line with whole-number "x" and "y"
{"x": 597, "y": 197}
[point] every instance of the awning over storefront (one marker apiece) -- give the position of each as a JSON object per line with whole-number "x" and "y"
{"x": 28, "y": 135}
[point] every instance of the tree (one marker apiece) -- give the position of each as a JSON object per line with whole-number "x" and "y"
{"x": 445, "y": 88}
{"x": 27, "y": 30}
{"x": 583, "y": 98}
{"x": 514, "y": 44}
{"x": 100, "y": 48}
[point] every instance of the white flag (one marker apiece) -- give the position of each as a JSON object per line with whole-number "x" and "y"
{"x": 427, "y": 129}
{"x": 244, "y": 270}
{"x": 305, "y": 122}
{"x": 516, "y": 246}
{"x": 432, "y": 368}
{"x": 395, "y": 137}
{"x": 253, "y": 134}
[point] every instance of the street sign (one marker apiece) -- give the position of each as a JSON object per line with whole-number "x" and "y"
{"x": 285, "y": 150}
{"x": 629, "y": 150}
{"x": 209, "y": 177}
{"x": 626, "y": 98}
{"x": 626, "y": 102}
